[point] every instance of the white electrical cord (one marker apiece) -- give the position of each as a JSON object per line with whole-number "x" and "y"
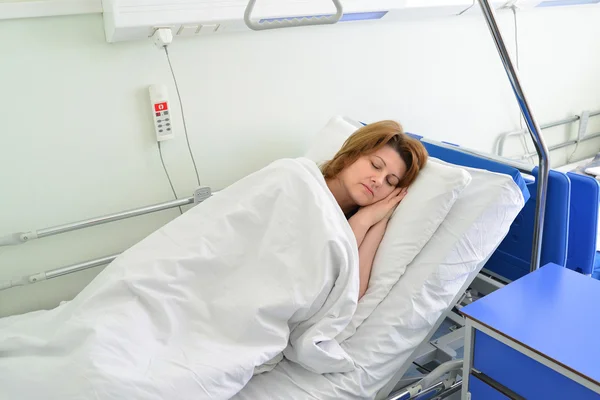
{"x": 162, "y": 38}
{"x": 168, "y": 176}
{"x": 187, "y": 139}
{"x": 517, "y": 59}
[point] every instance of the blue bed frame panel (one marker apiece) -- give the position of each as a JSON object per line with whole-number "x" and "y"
{"x": 512, "y": 258}
{"x": 583, "y": 226}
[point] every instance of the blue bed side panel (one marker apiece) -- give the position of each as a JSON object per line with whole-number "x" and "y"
{"x": 468, "y": 160}
{"x": 583, "y": 226}
{"x": 512, "y": 258}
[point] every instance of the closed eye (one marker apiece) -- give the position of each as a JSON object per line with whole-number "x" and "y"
{"x": 392, "y": 181}
{"x": 375, "y": 166}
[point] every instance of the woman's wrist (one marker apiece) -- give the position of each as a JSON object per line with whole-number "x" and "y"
{"x": 383, "y": 222}
{"x": 364, "y": 218}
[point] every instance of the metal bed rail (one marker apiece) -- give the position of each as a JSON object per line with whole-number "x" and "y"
{"x": 582, "y": 136}
{"x": 55, "y": 273}
{"x": 16, "y": 238}
{"x": 439, "y": 390}
{"x": 22, "y": 237}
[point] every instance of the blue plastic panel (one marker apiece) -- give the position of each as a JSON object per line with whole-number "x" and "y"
{"x": 512, "y": 259}
{"x": 583, "y": 223}
{"x": 473, "y": 161}
{"x": 523, "y": 375}
{"x": 552, "y": 311}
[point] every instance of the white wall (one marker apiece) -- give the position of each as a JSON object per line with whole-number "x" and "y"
{"x": 77, "y": 139}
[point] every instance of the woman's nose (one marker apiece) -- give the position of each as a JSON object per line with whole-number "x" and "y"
{"x": 378, "y": 179}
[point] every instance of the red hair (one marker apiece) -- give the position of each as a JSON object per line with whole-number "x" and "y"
{"x": 373, "y": 137}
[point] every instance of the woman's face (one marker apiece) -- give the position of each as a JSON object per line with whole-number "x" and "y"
{"x": 373, "y": 177}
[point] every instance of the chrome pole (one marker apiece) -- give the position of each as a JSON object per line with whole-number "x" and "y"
{"x": 54, "y": 273}
{"x": 22, "y": 237}
{"x": 112, "y": 217}
{"x": 569, "y": 143}
{"x": 80, "y": 266}
{"x": 534, "y": 130}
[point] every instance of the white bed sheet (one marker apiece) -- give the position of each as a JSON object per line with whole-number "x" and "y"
{"x": 192, "y": 309}
{"x": 383, "y": 346}
{"x": 570, "y": 167}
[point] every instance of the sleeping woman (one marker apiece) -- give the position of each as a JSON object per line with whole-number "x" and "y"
{"x": 265, "y": 269}
{"x": 369, "y": 177}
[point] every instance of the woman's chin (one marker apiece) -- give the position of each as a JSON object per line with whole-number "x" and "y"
{"x": 363, "y": 200}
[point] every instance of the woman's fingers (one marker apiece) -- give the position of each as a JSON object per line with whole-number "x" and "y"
{"x": 398, "y": 194}
{"x": 394, "y": 193}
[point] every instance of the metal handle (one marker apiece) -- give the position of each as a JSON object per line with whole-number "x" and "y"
{"x": 23, "y": 237}
{"x": 534, "y": 130}
{"x": 291, "y": 21}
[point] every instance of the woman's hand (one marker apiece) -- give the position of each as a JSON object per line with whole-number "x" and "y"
{"x": 384, "y": 208}
{"x": 376, "y": 213}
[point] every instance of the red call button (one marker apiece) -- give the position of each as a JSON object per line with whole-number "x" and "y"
{"x": 161, "y": 107}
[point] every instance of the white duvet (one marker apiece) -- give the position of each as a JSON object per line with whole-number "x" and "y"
{"x": 268, "y": 265}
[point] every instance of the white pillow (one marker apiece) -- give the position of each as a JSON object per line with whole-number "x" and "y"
{"x": 428, "y": 201}
{"x": 331, "y": 138}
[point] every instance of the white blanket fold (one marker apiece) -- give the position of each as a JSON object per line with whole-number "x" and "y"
{"x": 268, "y": 265}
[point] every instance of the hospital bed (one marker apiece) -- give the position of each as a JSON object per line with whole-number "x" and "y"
{"x": 387, "y": 343}
{"x": 398, "y": 332}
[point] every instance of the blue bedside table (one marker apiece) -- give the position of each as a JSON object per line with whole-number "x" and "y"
{"x": 536, "y": 338}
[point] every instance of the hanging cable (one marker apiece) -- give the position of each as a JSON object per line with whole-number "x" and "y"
{"x": 518, "y": 62}
{"x": 187, "y": 139}
{"x": 167, "y": 173}
{"x": 467, "y": 9}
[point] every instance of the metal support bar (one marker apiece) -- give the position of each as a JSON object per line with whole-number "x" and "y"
{"x": 22, "y": 237}
{"x": 449, "y": 343}
{"x": 485, "y": 285}
{"x": 292, "y": 21}
{"x": 564, "y": 121}
{"x": 200, "y": 195}
{"x": 534, "y": 130}
{"x": 54, "y": 273}
{"x": 568, "y": 143}
{"x": 112, "y": 217}
{"x": 438, "y": 389}
{"x": 456, "y": 318}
